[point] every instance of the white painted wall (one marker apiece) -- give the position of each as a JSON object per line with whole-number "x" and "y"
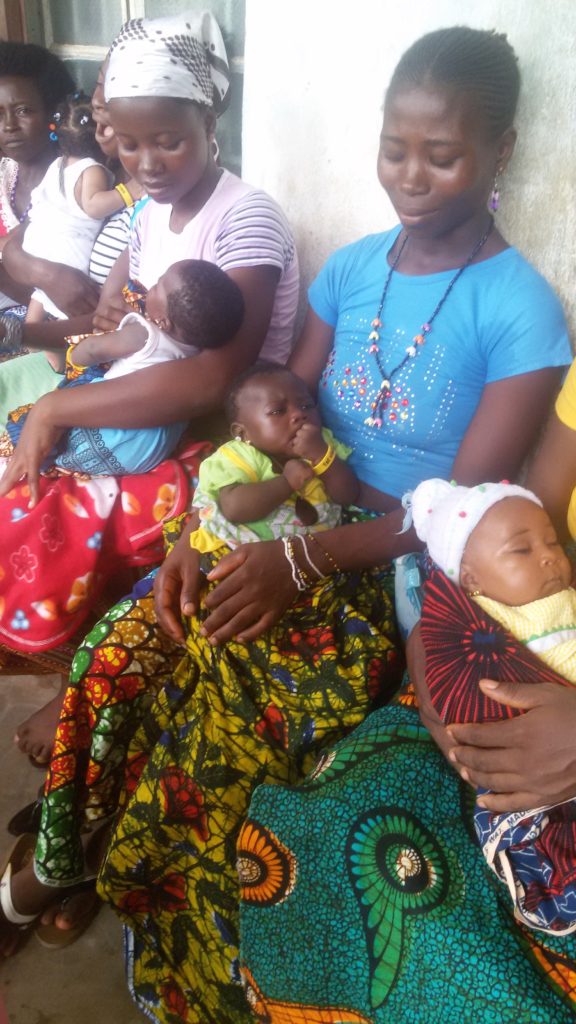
{"x": 316, "y": 71}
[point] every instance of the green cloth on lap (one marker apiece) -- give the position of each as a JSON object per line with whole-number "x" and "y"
{"x": 24, "y": 380}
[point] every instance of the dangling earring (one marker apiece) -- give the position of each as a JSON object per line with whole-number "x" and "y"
{"x": 495, "y": 194}
{"x": 53, "y": 127}
{"x": 215, "y": 148}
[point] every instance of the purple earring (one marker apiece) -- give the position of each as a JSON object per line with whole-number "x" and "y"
{"x": 495, "y": 194}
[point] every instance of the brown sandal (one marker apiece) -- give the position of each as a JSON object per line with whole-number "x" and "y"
{"x": 52, "y": 937}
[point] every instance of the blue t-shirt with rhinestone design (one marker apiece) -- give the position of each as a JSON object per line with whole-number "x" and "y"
{"x": 501, "y": 319}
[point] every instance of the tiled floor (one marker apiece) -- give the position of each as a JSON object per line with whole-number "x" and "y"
{"x": 86, "y": 981}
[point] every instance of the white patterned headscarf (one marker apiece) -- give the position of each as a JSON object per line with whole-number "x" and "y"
{"x": 181, "y": 57}
{"x": 444, "y": 516}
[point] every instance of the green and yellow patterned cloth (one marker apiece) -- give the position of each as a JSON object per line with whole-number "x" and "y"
{"x": 231, "y": 718}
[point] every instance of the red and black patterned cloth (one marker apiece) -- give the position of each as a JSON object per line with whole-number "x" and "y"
{"x": 534, "y": 853}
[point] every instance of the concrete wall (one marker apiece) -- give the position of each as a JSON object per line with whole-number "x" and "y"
{"x": 316, "y": 71}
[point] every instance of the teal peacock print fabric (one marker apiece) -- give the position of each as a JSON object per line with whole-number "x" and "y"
{"x": 365, "y": 897}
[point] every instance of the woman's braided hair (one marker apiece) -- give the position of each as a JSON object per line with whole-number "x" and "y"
{"x": 472, "y": 60}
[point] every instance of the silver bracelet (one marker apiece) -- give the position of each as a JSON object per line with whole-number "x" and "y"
{"x": 321, "y": 575}
{"x": 294, "y": 567}
{"x": 13, "y": 334}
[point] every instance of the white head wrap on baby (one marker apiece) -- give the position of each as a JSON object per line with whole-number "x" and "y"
{"x": 181, "y": 57}
{"x": 444, "y": 515}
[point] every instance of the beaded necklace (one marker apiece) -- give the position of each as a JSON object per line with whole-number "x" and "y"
{"x": 384, "y": 394}
{"x": 12, "y": 200}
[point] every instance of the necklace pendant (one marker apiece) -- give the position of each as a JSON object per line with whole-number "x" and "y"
{"x": 382, "y": 404}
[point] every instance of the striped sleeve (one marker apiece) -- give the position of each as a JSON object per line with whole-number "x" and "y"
{"x": 254, "y": 232}
{"x": 111, "y": 241}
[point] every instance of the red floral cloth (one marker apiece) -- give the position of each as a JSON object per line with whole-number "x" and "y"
{"x": 56, "y": 558}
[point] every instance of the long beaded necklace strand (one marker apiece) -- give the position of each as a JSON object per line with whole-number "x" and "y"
{"x": 384, "y": 394}
{"x": 12, "y": 200}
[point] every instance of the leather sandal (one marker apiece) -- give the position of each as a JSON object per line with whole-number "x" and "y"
{"x": 52, "y": 937}
{"x": 27, "y": 819}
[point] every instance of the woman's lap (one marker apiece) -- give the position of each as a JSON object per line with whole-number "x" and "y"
{"x": 232, "y": 718}
{"x": 207, "y": 743}
{"x": 382, "y": 903}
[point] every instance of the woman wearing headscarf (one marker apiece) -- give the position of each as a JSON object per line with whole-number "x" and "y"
{"x": 165, "y": 83}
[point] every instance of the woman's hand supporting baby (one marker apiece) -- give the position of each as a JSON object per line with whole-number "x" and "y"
{"x": 528, "y": 761}
{"x": 525, "y": 762}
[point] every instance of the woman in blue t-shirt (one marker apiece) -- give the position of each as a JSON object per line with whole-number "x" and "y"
{"x": 435, "y": 349}
{"x": 363, "y": 889}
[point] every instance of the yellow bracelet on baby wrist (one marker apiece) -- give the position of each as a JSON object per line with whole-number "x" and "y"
{"x": 325, "y": 462}
{"x": 124, "y": 194}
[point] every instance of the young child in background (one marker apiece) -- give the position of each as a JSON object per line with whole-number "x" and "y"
{"x": 496, "y": 542}
{"x": 281, "y": 476}
{"x": 193, "y": 306}
{"x": 71, "y": 202}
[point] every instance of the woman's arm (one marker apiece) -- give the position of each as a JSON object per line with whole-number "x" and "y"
{"x": 179, "y": 389}
{"x": 165, "y": 393}
{"x": 112, "y": 305}
{"x": 52, "y": 335}
{"x": 494, "y": 446}
{"x": 71, "y": 290}
{"x": 255, "y": 585}
{"x": 312, "y": 349}
{"x": 505, "y": 426}
{"x": 552, "y": 473}
{"x": 14, "y": 289}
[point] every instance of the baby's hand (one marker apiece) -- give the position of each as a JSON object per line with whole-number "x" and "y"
{"x": 297, "y": 473}
{"x": 309, "y": 443}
